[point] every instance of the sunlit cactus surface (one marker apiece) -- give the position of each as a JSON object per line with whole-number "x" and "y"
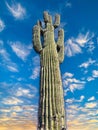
{"x": 51, "y": 112}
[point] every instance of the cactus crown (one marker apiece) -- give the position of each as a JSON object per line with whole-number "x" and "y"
{"x": 48, "y": 19}
{"x": 47, "y": 34}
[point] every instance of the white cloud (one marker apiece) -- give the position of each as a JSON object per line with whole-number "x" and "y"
{"x": 6, "y": 60}
{"x": 5, "y": 85}
{"x": 67, "y": 74}
{"x": 95, "y": 73}
{"x": 3, "y": 53}
{"x": 68, "y": 4}
{"x": 70, "y": 100}
{"x": 17, "y": 10}
{"x": 93, "y": 76}
{"x": 87, "y": 63}
{"x": 72, "y": 83}
{"x": 35, "y": 72}
{"x": 12, "y": 101}
{"x": 2, "y": 25}
{"x": 21, "y": 50}
{"x": 90, "y": 46}
{"x": 73, "y": 100}
{"x": 81, "y": 98}
{"x": 75, "y": 86}
{"x": 12, "y": 68}
{"x": 72, "y": 48}
{"x": 81, "y": 117}
{"x": 16, "y": 108}
{"x": 21, "y": 108}
{"x": 91, "y": 98}
{"x": 23, "y": 92}
{"x": 5, "y": 110}
{"x": 82, "y": 39}
{"x": 90, "y": 79}
{"x": 36, "y": 60}
{"x": 91, "y": 105}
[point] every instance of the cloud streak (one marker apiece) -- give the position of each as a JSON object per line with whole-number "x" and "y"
{"x": 35, "y": 73}
{"x": 82, "y": 115}
{"x": 5, "y": 59}
{"x": 74, "y": 46}
{"x": 71, "y": 48}
{"x": 95, "y": 73}
{"x": 93, "y": 76}
{"x": 71, "y": 83}
{"x": 20, "y": 49}
{"x": 2, "y": 25}
{"x": 17, "y": 11}
{"x": 73, "y": 100}
{"x": 82, "y": 39}
{"x": 87, "y": 63}
{"x": 12, "y": 101}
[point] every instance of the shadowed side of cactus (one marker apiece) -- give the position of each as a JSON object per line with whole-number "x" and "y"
{"x": 51, "y": 113}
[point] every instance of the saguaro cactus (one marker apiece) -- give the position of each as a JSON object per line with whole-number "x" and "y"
{"x": 51, "y": 113}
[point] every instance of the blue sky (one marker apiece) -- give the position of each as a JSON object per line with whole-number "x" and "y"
{"x": 20, "y": 64}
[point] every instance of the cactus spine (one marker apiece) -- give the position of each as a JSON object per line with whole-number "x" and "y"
{"x": 51, "y": 113}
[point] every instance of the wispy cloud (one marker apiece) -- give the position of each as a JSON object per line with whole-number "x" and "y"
{"x": 82, "y": 39}
{"x": 24, "y": 93}
{"x": 68, "y": 4}
{"x": 81, "y": 115}
{"x": 86, "y": 67}
{"x": 5, "y": 85}
{"x": 35, "y": 72}
{"x": 12, "y": 68}
{"x": 91, "y": 105}
{"x": 20, "y": 90}
{"x": 11, "y": 101}
{"x": 74, "y": 46}
{"x": 4, "y": 54}
{"x": 87, "y": 63}
{"x": 67, "y": 74}
{"x": 90, "y": 47}
{"x": 21, "y": 126}
{"x": 71, "y": 83}
{"x": 20, "y": 49}
{"x": 16, "y": 10}
{"x": 2, "y": 25}
{"x": 91, "y": 98}
{"x": 6, "y": 60}
{"x": 73, "y": 100}
{"x": 93, "y": 76}
{"x": 95, "y": 73}
{"x": 90, "y": 78}
{"x": 36, "y": 60}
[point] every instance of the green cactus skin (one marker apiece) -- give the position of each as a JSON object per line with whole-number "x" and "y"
{"x": 51, "y": 113}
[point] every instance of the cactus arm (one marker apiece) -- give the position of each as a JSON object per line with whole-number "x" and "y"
{"x": 39, "y": 23}
{"x": 36, "y": 39}
{"x": 57, "y": 21}
{"x": 46, "y": 17}
{"x": 60, "y": 45}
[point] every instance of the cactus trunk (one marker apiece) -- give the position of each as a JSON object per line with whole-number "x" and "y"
{"x": 51, "y": 113}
